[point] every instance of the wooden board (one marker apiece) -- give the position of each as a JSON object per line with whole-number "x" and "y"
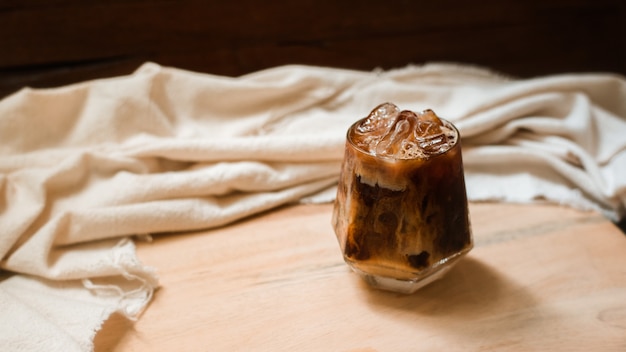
{"x": 539, "y": 278}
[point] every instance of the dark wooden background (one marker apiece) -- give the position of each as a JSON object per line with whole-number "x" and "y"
{"x": 46, "y": 43}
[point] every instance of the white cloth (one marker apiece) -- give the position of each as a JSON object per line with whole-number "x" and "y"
{"x": 83, "y": 167}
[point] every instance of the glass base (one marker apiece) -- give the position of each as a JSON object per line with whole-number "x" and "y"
{"x": 412, "y": 284}
{"x": 400, "y": 285}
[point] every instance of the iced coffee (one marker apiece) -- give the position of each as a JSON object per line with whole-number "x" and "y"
{"x": 401, "y": 214}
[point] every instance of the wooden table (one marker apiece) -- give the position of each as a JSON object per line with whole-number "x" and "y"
{"x": 539, "y": 278}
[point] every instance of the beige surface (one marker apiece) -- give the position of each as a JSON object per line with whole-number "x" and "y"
{"x": 539, "y": 278}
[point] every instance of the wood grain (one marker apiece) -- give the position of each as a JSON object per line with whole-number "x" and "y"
{"x": 50, "y": 43}
{"x": 539, "y": 278}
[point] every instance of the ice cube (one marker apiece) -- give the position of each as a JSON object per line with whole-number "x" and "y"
{"x": 379, "y": 120}
{"x": 409, "y": 150}
{"x": 433, "y": 144}
{"x": 401, "y": 130}
{"x": 389, "y": 132}
{"x": 428, "y": 124}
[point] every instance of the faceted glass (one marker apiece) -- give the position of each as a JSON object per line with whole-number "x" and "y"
{"x": 401, "y": 213}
